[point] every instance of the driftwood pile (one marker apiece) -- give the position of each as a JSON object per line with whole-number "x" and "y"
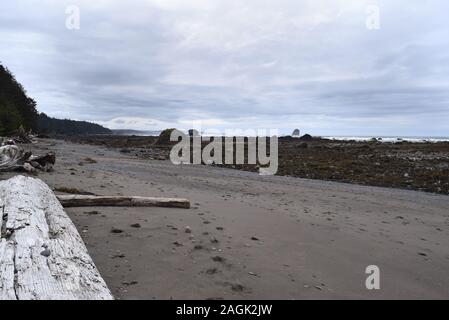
{"x": 20, "y": 137}
{"x": 23, "y": 137}
{"x": 13, "y": 158}
{"x": 42, "y": 256}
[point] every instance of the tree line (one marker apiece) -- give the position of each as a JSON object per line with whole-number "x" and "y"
{"x": 17, "y": 109}
{"x": 49, "y": 125}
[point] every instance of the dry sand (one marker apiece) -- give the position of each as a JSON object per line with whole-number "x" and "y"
{"x": 252, "y": 237}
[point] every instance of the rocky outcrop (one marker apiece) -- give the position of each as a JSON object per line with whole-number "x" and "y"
{"x": 306, "y": 137}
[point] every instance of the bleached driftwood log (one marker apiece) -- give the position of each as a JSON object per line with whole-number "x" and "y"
{"x": 42, "y": 255}
{"x": 115, "y": 201}
{"x": 12, "y": 157}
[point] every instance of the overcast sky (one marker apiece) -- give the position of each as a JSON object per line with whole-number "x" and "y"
{"x": 286, "y": 64}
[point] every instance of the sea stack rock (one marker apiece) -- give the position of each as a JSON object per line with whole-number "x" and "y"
{"x": 296, "y": 133}
{"x": 306, "y": 137}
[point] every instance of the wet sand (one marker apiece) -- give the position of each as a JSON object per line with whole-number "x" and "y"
{"x": 252, "y": 237}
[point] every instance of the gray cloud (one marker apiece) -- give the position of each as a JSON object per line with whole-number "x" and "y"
{"x": 277, "y": 64}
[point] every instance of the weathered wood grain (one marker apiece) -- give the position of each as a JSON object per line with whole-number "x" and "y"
{"x": 42, "y": 255}
{"x": 12, "y": 157}
{"x": 116, "y": 201}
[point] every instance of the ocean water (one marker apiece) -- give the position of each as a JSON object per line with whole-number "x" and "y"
{"x": 156, "y": 133}
{"x": 390, "y": 138}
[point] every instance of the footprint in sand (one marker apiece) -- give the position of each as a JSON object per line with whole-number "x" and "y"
{"x": 212, "y": 271}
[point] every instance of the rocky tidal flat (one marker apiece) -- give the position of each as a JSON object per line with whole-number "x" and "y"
{"x": 407, "y": 165}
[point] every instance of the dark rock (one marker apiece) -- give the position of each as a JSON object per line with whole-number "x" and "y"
{"x": 116, "y": 230}
{"x": 214, "y": 240}
{"x": 178, "y": 244}
{"x": 46, "y": 253}
{"x": 218, "y": 259}
{"x": 306, "y": 137}
{"x": 422, "y": 254}
{"x": 237, "y": 287}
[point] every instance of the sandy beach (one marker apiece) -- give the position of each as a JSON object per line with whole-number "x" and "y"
{"x": 252, "y": 237}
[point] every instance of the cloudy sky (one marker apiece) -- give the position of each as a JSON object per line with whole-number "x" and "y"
{"x": 308, "y": 64}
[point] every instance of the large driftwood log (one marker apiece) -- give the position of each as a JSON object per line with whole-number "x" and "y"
{"x": 115, "y": 201}
{"x": 12, "y": 157}
{"x": 42, "y": 255}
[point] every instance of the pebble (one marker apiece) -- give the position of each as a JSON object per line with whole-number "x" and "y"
{"x": 46, "y": 253}
{"x": 218, "y": 259}
{"x": 214, "y": 240}
{"x": 422, "y": 254}
{"x": 176, "y": 243}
